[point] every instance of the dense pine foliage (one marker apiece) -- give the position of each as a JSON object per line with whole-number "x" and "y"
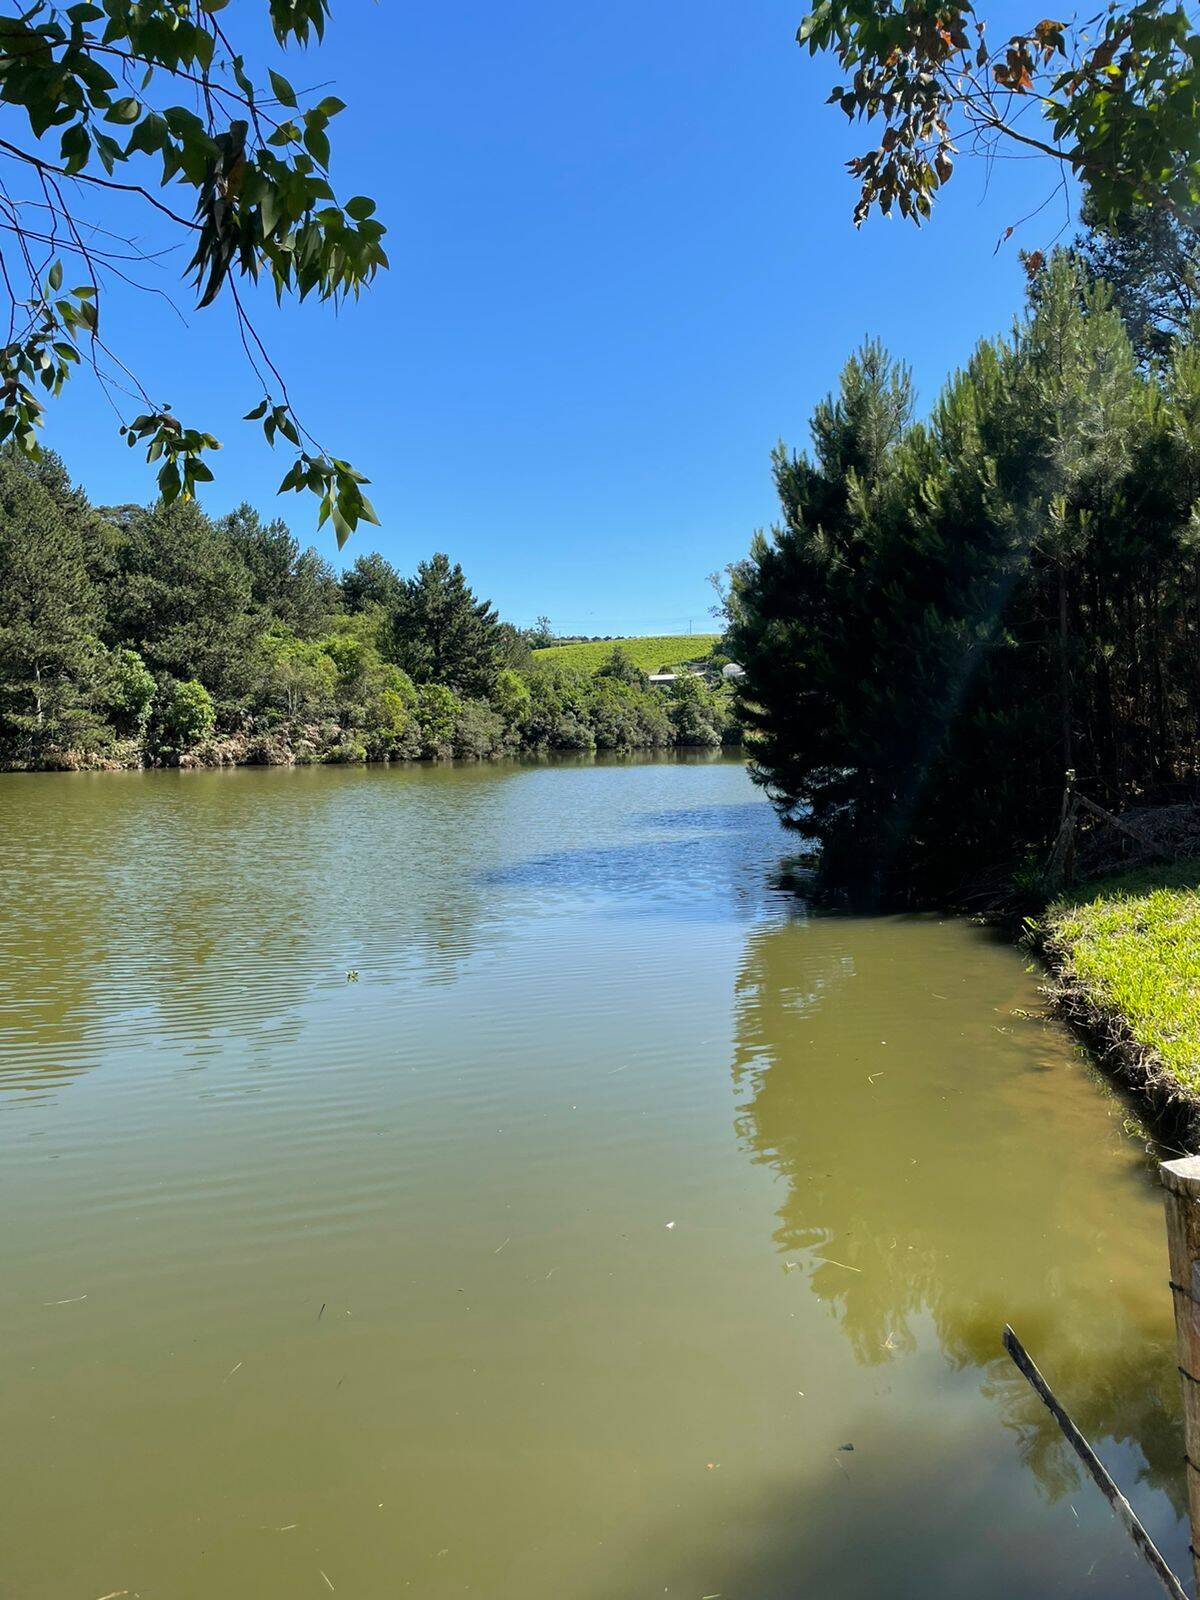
{"x": 953, "y": 613}
{"x": 158, "y": 635}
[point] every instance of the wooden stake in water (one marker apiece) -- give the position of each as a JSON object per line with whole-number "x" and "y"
{"x": 1181, "y": 1179}
{"x": 1096, "y": 1469}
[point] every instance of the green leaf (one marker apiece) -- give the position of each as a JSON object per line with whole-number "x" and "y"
{"x": 316, "y": 142}
{"x": 284, "y": 92}
{"x": 168, "y": 482}
{"x": 76, "y": 147}
{"x": 56, "y": 276}
{"x": 360, "y": 207}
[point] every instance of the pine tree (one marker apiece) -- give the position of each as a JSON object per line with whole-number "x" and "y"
{"x": 442, "y": 634}
{"x": 49, "y": 617}
{"x": 953, "y": 614}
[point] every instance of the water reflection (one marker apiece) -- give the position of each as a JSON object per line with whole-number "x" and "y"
{"x": 202, "y": 912}
{"x": 939, "y": 1172}
{"x": 188, "y": 910}
{"x": 454, "y": 1278}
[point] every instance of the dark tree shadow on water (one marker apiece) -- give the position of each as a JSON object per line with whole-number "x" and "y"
{"x": 922, "y": 1516}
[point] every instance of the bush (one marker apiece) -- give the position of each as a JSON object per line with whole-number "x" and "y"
{"x": 697, "y": 716}
{"x": 186, "y": 714}
{"x": 129, "y": 692}
{"x": 478, "y": 730}
{"x": 570, "y": 732}
{"x": 621, "y": 666}
{"x": 437, "y": 715}
{"x": 511, "y": 696}
{"x": 300, "y": 678}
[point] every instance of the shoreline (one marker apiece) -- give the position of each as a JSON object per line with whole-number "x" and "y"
{"x": 1122, "y": 957}
{"x": 217, "y": 757}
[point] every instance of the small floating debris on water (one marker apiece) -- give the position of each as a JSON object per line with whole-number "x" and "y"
{"x": 500, "y": 1247}
{"x": 711, "y": 1466}
{"x": 844, "y": 1264}
{"x": 842, "y": 1447}
{"x": 871, "y": 1076}
{"x": 325, "y": 1575}
{"x": 351, "y": 977}
{"x": 74, "y": 1301}
{"x": 670, "y": 1224}
{"x": 114, "y": 1594}
{"x": 232, "y": 1370}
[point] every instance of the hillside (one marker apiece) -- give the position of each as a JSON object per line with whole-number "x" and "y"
{"x": 659, "y": 650}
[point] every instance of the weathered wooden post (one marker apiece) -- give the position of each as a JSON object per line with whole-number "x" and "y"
{"x": 1181, "y": 1179}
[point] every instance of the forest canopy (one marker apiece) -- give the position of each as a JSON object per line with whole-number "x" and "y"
{"x": 156, "y": 634}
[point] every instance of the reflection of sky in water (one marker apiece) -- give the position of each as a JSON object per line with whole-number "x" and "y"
{"x": 701, "y": 861}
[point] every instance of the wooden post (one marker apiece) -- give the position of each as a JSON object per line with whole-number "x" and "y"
{"x": 1181, "y": 1179}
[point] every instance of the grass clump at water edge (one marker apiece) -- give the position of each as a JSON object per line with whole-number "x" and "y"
{"x": 1126, "y": 954}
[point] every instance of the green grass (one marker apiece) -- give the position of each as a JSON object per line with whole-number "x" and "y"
{"x": 1128, "y": 953}
{"x": 659, "y": 650}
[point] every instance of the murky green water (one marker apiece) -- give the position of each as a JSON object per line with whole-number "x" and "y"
{"x": 563, "y": 1253}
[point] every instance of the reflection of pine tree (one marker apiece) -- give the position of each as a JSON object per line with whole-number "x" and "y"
{"x": 966, "y": 1187}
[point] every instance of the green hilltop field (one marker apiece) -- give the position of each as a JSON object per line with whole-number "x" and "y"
{"x": 650, "y": 654}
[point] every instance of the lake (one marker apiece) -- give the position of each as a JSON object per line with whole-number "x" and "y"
{"x": 480, "y": 1180}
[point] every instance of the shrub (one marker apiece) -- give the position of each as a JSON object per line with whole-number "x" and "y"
{"x": 511, "y": 696}
{"x": 696, "y": 715}
{"x": 437, "y": 714}
{"x": 130, "y": 689}
{"x": 300, "y": 678}
{"x": 478, "y": 730}
{"x": 186, "y": 714}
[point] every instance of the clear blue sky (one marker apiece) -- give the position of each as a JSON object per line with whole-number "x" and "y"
{"x": 622, "y": 267}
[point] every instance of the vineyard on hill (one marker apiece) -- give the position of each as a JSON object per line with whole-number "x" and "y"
{"x": 650, "y": 654}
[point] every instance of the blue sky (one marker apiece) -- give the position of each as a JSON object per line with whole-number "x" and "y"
{"x": 622, "y": 267}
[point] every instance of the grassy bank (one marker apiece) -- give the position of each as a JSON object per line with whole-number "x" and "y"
{"x": 1126, "y": 957}
{"x": 650, "y": 653}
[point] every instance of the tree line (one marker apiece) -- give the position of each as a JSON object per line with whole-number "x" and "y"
{"x": 953, "y": 613}
{"x": 137, "y": 635}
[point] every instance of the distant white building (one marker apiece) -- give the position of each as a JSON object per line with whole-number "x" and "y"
{"x": 729, "y": 672}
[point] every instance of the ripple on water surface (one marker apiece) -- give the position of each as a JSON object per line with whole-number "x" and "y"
{"x": 563, "y": 1247}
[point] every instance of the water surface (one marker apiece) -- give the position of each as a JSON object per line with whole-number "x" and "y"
{"x": 479, "y": 1180}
